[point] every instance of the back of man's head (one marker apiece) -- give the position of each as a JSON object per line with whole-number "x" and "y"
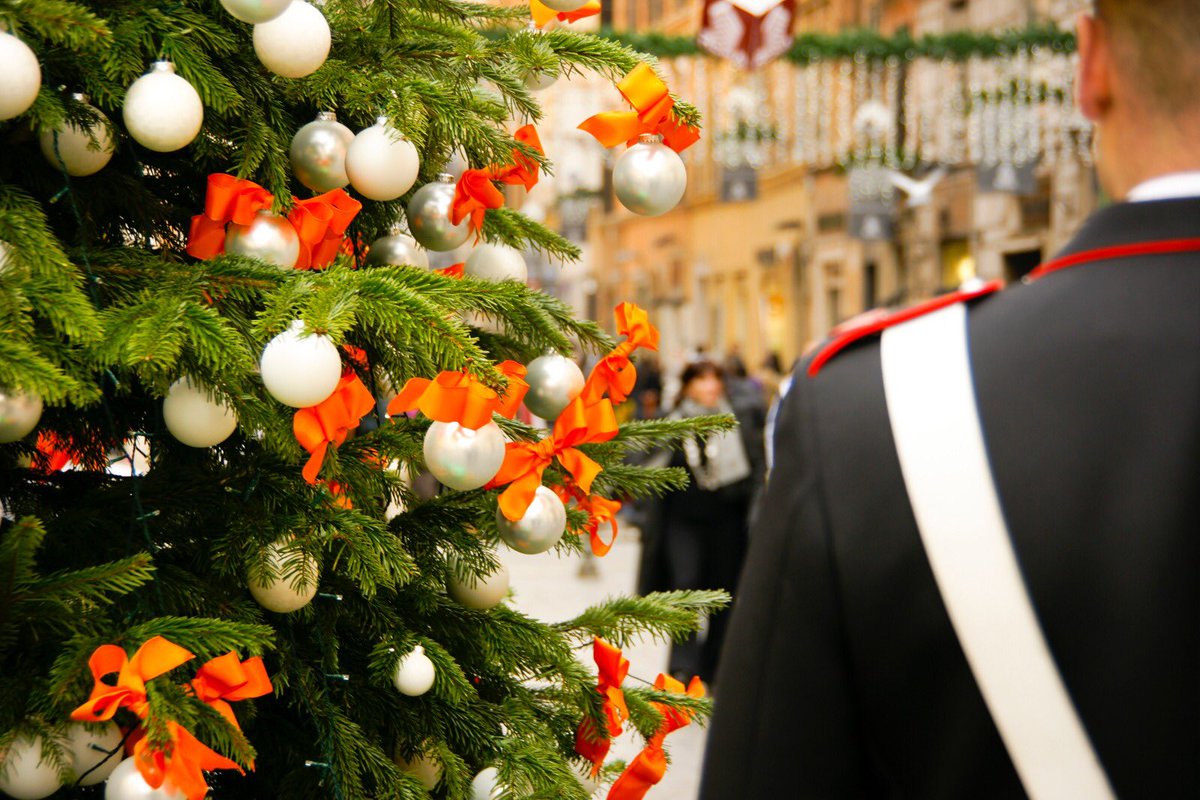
{"x": 1157, "y": 41}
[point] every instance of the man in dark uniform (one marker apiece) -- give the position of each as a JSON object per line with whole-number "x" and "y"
{"x": 851, "y": 678}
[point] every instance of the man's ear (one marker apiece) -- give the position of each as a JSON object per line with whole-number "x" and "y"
{"x": 1093, "y": 76}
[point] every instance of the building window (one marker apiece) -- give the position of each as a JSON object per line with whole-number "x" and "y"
{"x": 870, "y": 285}
{"x": 1018, "y": 265}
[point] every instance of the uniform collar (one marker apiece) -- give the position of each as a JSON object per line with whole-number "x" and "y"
{"x": 1176, "y": 186}
{"x": 1146, "y": 221}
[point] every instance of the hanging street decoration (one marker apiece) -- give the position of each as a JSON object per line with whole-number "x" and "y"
{"x": 542, "y": 11}
{"x": 749, "y": 33}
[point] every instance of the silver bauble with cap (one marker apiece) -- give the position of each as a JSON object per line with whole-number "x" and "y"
{"x": 397, "y": 249}
{"x": 554, "y": 381}
{"x": 462, "y": 458}
{"x": 543, "y": 525}
{"x": 94, "y": 751}
{"x": 650, "y": 178}
{"x": 479, "y": 592}
{"x": 381, "y": 162}
{"x": 162, "y": 111}
{"x": 269, "y": 237}
{"x": 318, "y": 153}
{"x": 429, "y": 216}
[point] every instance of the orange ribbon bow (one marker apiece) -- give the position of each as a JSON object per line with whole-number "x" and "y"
{"x": 653, "y": 106}
{"x": 228, "y": 679}
{"x": 330, "y": 422}
{"x": 600, "y": 510}
{"x": 321, "y": 223}
{"x": 453, "y": 271}
{"x": 53, "y": 453}
{"x": 542, "y": 13}
{"x": 526, "y": 462}
{"x": 650, "y": 765}
{"x": 476, "y": 192}
{"x": 612, "y": 668}
{"x": 156, "y": 657}
{"x": 182, "y": 766}
{"x": 615, "y": 374}
{"x": 460, "y": 397}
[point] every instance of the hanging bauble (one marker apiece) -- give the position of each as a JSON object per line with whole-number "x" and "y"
{"x": 126, "y": 783}
{"x": 481, "y": 593}
{"x": 650, "y": 177}
{"x": 20, "y": 76}
{"x": 538, "y": 79}
{"x": 19, "y": 415}
{"x": 296, "y": 585}
{"x": 425, "y": 767}
{"x": 73, "y": 149}
{"x": 565, "y": 5}
{"x": 23, "y": 773}
{"x": 5, "y": 263}
{"x": 300, "y": 370}
{"x": 194, "y": 417}
{"x": 399, "y": 249}
{"x": 462, "y": 458}
{"x": 497, "y": 262}
{"x": 162, "y": 111}
{"x": 318, "y": 153}
{"x": 455, "y": 166}
{"x": 584, "y": 776}
{"x": 415, "y": 673}
{"x": 294, "y": 44}
{"x": 255, "y": 11}
{"x": 269, "y": 237}
{"x": 486, "y": 785}
{"x": 381, "y": 162}
{"x": 429, "y": 216}
{"x": 540, "y": 529}
{"x": 89, "y": 748}
{"x": 554, "y": 381}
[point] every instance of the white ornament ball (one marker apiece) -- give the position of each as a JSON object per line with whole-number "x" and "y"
{"x": 479, "y": 593}
{"x": 425, "y": 767}
{"x": 300, "y": 370}
{"x": 540, "y": 529}
{"x": 415, "y": 673}
{"x": 537, "y": 80}
{"x": 650, "y": 178}
{"x": 269, "y": 238}
{"x": 20, "y": 76}
{"x": 584, "y": 776}
{"x": 429, "y": 216}
{"x": 564, "y": 5}
{"x": 486, "y": 785}
{"x": 5, "y": 263}
{"x": 554, "y": 381}
{"x": 162, "y": 111}
{"x": 284, "y": 595}
{"x": 73, "y": 149}
{"x": 318, "y": 153}
{"x": 398, "y": 249}
{"x": 25, "y": 775}
{"x": 88, "y": 749}
{"x": 19, "y": 415}
{"x": 126, "y": 783}
{"x": 294, "y": 44}
{"x": 462, "y": 458}
{"x": 194, "y": 417}
{"x": 255, "y": 11}
{"x": 497, "y": 262}
{"x": 381, "y": 162}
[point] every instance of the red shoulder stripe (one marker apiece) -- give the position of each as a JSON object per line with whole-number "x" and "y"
{"x": 1165, "y": 247}
{"x": 841, "y": 341}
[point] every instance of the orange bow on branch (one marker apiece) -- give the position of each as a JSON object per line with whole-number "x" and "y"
{"x": 453, "y": 271}
{"x": 653, "y": 113}
{"x": 228, "y": 679}
{"x": 650, "y": 765}
{"x": 182, "y": 765}
{"x": 615, "y": 374}
{"x": 600, "y": 511}
{"x": 330, "y": 422}
{"x": 156, "y": 657}
{"x": 612, "y": 668}
{"x": 460, "y": 397}
{"x": 542, "y": 13}
{"x": 526, "y": 462}
{"x": 476, "y": 192}
{"x": 321, "y": 223}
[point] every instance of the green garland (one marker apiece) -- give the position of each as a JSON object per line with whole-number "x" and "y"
{"x": 810, "y": 48}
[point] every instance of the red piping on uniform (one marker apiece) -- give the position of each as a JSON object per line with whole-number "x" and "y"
{"x": 1165, "y": 247}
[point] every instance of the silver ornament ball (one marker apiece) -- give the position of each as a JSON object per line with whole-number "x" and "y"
{"x": 19, "y": 415}
{"x": 296, "y": 585}
{"x": 462, "y": 458}
{"x": 69, "y": 147}
{"x": 318, "y": 153}
{"x": 480, "y": 593}
{"x": 554, "y": 381}
{"x": 20, "y": 76}
{"x": 195, "y": 417}
{"x": 486, "y": 785}
{"x": 497, "y": 262}
{"x": 296, "y": 43}
{"x": 270, "y": 238}
{"x": 650, "y": 177}
{"x": 162, "y": 111}
{"x": 255, "y": 11}
{"x": 539, "y": 79}
{"x": 429, "y": 216}
{"x": 415, "y": 673}
{"x": 126, "y": 783}
{"x": 24, "y": 775}
{"x": 398, "y": 249}
{"x": 540, "y": 529}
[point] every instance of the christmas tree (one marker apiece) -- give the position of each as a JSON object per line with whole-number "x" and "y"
{"x": 219, "y": 369}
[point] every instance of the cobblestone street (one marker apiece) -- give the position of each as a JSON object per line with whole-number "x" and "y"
{"x": 551, "y": 589}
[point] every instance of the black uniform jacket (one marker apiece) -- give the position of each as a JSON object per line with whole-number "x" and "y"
{"x": 843, "y": 677}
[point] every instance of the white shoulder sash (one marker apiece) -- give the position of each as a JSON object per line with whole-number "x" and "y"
{"x": 935, "y": 423}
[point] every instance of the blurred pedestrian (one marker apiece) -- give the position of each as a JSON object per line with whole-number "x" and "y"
{"x": 975, "y": 571}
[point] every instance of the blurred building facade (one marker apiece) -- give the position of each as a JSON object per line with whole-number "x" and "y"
{"x": 762, "y": 259}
